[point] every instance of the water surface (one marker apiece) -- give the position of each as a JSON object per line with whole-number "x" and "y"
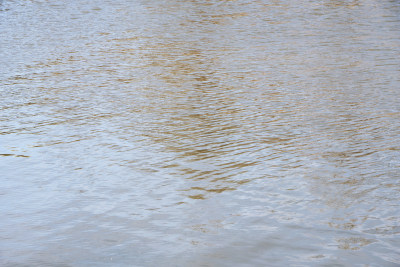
{"x": 199, "y": 133}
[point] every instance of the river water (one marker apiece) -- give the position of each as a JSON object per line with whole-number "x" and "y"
{"x": 199, "y": 133}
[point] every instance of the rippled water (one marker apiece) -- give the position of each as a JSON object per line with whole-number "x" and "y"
{"x": 199, "y": 133}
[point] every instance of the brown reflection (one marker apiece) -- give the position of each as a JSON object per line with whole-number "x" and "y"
{"x": 14, "y": 155}
{"x": 349, "y": 4}
{"x": 354, "y": 243}
{"x": 198, "y": 108}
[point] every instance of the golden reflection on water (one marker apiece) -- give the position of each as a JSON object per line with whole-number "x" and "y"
{"x": 200, "y": 132}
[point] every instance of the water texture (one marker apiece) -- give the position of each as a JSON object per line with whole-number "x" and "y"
{"x": 199, "y": 133}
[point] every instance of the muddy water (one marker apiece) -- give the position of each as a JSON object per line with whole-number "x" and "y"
{"x": 199, "y": 133}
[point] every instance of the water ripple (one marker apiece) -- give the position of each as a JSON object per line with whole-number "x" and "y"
{"x": 199, "y": 133}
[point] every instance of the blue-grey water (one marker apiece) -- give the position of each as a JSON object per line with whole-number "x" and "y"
{"x": 199, "y": 133}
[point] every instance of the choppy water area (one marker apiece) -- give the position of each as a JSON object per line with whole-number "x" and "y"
{"x": 199, "y": 133}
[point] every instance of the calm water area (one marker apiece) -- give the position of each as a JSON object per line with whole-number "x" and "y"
{"x": 199, "y": 133}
